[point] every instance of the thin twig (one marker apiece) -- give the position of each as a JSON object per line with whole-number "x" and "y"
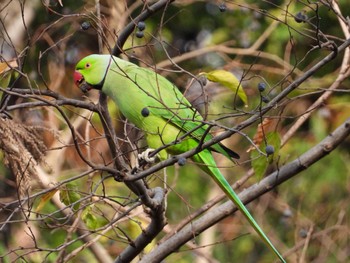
{"x": 253, "y": 192}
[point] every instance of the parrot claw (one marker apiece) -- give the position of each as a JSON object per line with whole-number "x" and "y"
{"x": 145, "y": 156}
{"x": 143, "y": 159}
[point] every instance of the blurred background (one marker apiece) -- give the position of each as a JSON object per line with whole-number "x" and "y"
{"x": 265, "y": 44}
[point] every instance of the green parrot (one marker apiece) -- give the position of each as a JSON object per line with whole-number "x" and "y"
{"x": 157, "y": 107}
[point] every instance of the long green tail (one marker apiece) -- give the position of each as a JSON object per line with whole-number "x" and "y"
{"x": 210, "y": 167}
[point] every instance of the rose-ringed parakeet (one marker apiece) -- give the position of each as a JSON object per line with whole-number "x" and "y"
{"x": 157, "y": 107}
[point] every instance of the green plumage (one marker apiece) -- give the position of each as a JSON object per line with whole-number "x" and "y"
{"x": 157, "y": 107}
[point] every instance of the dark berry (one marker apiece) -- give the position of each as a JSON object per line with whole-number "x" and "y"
{"x": 303, "y": 233}
{"x": 203, "y": 80}
{"x": 222, "y": 7}
{"x": 265, "y": 99}
{"x": 261, "y": 86}
{"x": 139, "y": 34}
{"x": 269, "y": 149}
{"x": 181, "y": 161}
{"x": 141, "y": 25}
{"x": 145, "y": 112}
{"x": 85, "y": 25}
{"x": 300, "y": 17}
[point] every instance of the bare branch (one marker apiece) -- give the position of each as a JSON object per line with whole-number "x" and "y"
{"x": 150, "y": 10}
{"x": 265, "y": 185}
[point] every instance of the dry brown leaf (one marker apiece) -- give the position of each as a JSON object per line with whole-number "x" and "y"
{"x": 259, "y": 135}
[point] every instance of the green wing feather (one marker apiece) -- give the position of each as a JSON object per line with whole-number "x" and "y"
{"x": 174, "y": 108}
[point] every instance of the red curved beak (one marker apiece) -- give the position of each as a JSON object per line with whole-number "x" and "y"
{"x": 78, "y": 78}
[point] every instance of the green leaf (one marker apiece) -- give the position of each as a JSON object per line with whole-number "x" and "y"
{"x": 7, "y": 72}
{"x": 89, "y": 218}
{"x": 5, "y": 80}
{"x": 69, "y": 195}
{"x": 44, "y": 199}
{"x": 261, "y": 162}
{"x": 228, "y": 80}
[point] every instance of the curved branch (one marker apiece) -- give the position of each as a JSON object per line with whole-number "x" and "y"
{"x": 60, "y": 100}
{"x": 106, "y": 121}
{"x": 146, "y": 237}
{"x": 150, "y": 10}
{"x": 153, "y": 199}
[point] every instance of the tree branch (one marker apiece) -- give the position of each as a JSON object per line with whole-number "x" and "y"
{"x": 150, "y": 10}
{"x": 154, "y": 198}
{"x": 271, "y": 181}
{"x": 60, "y": 100}
{"x": 146, "y": 237}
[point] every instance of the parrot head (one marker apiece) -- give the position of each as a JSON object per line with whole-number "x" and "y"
{"x": 91, "y": 71}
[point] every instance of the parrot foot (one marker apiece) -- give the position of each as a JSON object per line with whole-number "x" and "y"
{"x": 145, "y": 156}
{"x": 143, "y": 159}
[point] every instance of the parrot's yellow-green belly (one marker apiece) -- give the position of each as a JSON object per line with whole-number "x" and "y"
{"x": 160, "y": 133}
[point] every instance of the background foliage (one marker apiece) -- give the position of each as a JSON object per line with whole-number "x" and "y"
{"x": 77, "y": 212}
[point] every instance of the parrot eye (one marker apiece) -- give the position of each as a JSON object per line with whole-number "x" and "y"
{"x": 87, "y": 65}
